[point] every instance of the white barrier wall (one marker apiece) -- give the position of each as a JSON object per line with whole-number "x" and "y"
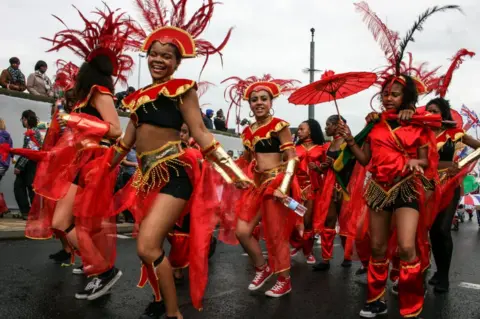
{"x": 11, "y": 109}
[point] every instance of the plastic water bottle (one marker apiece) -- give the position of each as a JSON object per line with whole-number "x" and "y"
{"x": 298, "y": 208}
{"x": 61, "y": 110}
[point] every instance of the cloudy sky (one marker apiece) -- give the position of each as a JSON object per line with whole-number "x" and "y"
{"x": 273, "y": 36}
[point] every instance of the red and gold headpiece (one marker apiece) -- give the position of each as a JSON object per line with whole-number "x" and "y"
{"x": 109, "y": 36}
{"x": 66, "y": 75}
{"x": 178, "y": 31}
{"x": 242, "y": 89}
{"x": 395, "y": 49}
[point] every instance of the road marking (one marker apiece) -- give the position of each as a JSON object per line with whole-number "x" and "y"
{"x": 123, "y": 236}
{"x": 264, "y": 253}
{"x": 469, "y": 285}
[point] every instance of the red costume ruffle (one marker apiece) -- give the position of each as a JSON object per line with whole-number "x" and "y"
{"x": 40, "y": 217}
{"x": 310, "y": 181}
{"x": 201, "y": 207}
{"x": 391, "y": 149}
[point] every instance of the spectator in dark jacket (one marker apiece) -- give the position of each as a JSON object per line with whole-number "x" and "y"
{"x": 12, "y": 78}
{"x": 24, "y": 168}
{"x": 219, "y": 121}
{"x": 207, "y": 119}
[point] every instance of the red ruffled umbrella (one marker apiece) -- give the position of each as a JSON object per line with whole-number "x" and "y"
{"x": 332, "y": 87}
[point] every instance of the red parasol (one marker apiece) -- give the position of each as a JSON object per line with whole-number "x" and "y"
{"x": 332, "y": 87}
{"x": 455, "y": 115}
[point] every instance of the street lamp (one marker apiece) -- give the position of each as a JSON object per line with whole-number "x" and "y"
{"x": 140, "y": 56}
{"x": 311, "y": 109}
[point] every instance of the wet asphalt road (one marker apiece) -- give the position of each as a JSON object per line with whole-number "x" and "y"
{"x": 34, "y": 288}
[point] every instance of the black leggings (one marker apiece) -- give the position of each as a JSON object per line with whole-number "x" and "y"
{"x": 441, "y": 237}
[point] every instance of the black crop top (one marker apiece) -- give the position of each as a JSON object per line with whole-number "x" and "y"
{"x": 393, "y": 124}
{"x": 270, "y": 145}
{"x": 333, "y": 154}
{"x": 163, "y": 112}
{"x": 447, "y": 152}
{"x": 90, "y": 110}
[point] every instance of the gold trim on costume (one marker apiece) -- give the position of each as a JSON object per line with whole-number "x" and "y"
{"x": 250, "y": 145}
{"x": 378, "y": 198}
{"x": 289, "y": 174}
{"x": 260, "y": 178}
{"x": 153, "y": 170}
{"x": 144, "y": 99}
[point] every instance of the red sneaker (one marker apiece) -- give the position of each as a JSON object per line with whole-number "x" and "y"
{"x": 261, "y": 276}
{"x": 282, "y": 287}
{"x": 311, "y": 260}
{"x": 294, "y": 252}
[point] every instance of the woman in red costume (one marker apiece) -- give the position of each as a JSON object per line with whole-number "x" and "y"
{"x": 268, "y": 142}
{"x": 311, "y": 152}
{"x": 85, "y": 135}
{"x": 327, "y": 210}
{"x": 169, "y": 177}
{"x": 401, "y": 162}
{"x": 447, "y": 194}
{"x": 43, "y": 208}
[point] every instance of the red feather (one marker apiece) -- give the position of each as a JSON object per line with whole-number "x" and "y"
{"x": 203, "y": 87}
{"x": 154, "y": 12}
{"x": 387, "y": 38}
{"x": 111, "y": 34}
{"x": 66, "y": 75}
{"x": 446, "y": 79}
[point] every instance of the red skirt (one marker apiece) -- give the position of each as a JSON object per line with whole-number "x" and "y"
{"x": 277, "y": 220}
{"x": 139, "y": 194}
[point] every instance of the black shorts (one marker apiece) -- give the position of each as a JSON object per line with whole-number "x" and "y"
{"x": 179, "y": 185}
{"x": 401, "y": 203}
{"x": 76, "y": 180}
{"x": 185, "y": 225}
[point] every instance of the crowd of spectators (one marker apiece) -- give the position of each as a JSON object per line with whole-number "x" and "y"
{"x": 37, "y": 83}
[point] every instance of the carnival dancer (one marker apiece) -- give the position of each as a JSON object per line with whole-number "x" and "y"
{"x": 311, "y": 152}
{"x": 43, "y": 208}
{"x": 168, "y": 177}
{"x": 327, "y": 210}
{"x": 86, "y": 134}
{"x": 402, "y": 161}
{"x": 267, "y": 142}
{"x": 448, "y": 193}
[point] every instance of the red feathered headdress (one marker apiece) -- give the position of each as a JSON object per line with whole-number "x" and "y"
{"x": 395, "y": 51}
{"x": 446, "y": 79}
{"x": 177, "y": 30}
{"x": 242, "y": 89}
{"x": 110, "y": 35}
{"x": 66, "y": 75}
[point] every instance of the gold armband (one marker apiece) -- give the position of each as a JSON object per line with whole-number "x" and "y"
{"x": 121, "y": 150}
{"x": 287, "y": 146}
{"x": 289, "y": 173}
{"x": 224, "y": 164}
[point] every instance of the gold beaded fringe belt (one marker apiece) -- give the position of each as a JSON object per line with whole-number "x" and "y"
{"x": 153, "y": 170}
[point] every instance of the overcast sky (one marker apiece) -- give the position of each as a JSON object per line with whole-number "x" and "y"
{"x": 273, "y": 36}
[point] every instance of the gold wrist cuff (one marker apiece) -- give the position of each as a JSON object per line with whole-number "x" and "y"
{"x": 121, "y": 150}
{"x": 225, "y": 165}
{"x": 289, "y": 174}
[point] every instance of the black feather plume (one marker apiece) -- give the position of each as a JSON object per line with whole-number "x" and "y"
{"x": 418, "y": 26}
